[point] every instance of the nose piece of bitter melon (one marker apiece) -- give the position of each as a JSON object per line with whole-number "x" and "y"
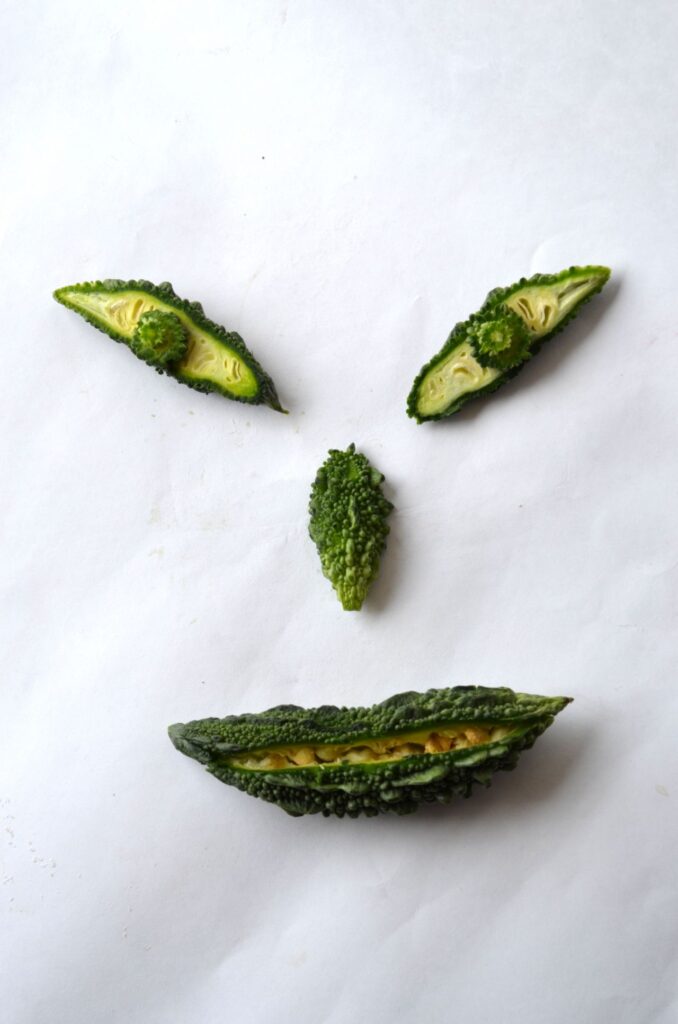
{"x": 348, "y": 512}
{"x": 174, "y": 336}
{"x": 411, "y": 749}
{"x": 489, "y": 348}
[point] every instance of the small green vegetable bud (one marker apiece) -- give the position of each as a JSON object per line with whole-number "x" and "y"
{"x": 501, "y": 342}
{"x": 159, "y": 339}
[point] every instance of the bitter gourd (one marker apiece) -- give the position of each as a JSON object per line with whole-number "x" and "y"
{"x": 489, "y": 348}
{"x": 348, "y": 523}
{"x": 410, "y": 749}
{"x": 174, "y": 336}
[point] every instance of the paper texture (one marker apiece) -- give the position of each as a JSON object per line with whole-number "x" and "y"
{"x": 340, "y": 183}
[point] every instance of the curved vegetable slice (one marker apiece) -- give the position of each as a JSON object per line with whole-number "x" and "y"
{"x": 174, "y": 336}
{"x": 412, "y": 748}
{"x": 489, "y": 348}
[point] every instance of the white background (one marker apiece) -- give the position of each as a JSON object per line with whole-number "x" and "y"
{"x": 340, "y": 182}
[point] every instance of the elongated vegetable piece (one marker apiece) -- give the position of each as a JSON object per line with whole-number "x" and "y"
{"x": 174, "y": 336}
{"x": 489, "y": 348}
{"x": 348, "y": 523}
{"x": 412, "y": 748}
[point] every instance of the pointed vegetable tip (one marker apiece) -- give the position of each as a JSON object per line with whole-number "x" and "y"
{"x": 192, "y": 745}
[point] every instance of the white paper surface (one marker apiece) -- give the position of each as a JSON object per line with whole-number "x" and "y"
{"x": 340, "y": 183}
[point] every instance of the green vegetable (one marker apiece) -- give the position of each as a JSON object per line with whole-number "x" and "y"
{"x": 348, "y": 523}
{"x": 489, "y": 348}
{"x": 412, "y": 748}
{"x": 174, "y": 336}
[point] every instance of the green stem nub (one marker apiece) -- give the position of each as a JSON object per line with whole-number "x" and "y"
{"x": 502, "y": 342}
{"x": 160, "y": 339}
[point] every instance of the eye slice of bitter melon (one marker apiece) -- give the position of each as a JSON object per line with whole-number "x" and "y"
{"x": 348, "y": 514}
{"x": 489, "y": 348}
{"x": 174, "y": 336}
{"x": 411, "y": 749}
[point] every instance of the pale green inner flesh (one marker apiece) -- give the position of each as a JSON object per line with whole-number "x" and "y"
{"x": 206, "y": 359}
{"x": 386, "y": 748}
{"x": 458, "y": 374}
{"x": 542, "y": 307}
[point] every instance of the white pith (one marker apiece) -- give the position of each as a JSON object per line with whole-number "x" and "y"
{"x": 455, "y": 376}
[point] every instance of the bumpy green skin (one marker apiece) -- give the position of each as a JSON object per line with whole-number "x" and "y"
{"x": 266, "y": 392}
{"x": 494, "y": 310}
{"x": 398, "y": 787}
{"x": 348, "y": 523}
{"x": 160, "y": 339}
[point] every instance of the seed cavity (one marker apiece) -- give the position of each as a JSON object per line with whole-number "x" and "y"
{"x": 232, "y": 368}
{"x": 542, "y": 307}
{"x": 573, "y": 287}
{"x": 458, "y": 373}
{"x": 201, "y": 355}
{"x": 374, "y": 751}
{"x": 125, "y": 312}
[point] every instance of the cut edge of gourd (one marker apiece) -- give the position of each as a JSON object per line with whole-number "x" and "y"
{"x": 439, "y": 740}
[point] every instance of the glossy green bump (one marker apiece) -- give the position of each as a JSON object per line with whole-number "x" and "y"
{"x": 489, "y": 348}
{"x": 411, "y": 749}
{"x": 174, "y": 336}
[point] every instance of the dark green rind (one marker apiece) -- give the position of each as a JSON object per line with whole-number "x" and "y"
{"x": 489, "y": 310}
{"x": 347, "y": 523}
{"x": 266, "y": 395}
{"x": 394, "y": 786}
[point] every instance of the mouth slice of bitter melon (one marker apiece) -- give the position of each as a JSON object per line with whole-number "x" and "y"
{"x": 489, "y": 348}
{"x": 394, "y": 756}
{"x": 174, "y": 336}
